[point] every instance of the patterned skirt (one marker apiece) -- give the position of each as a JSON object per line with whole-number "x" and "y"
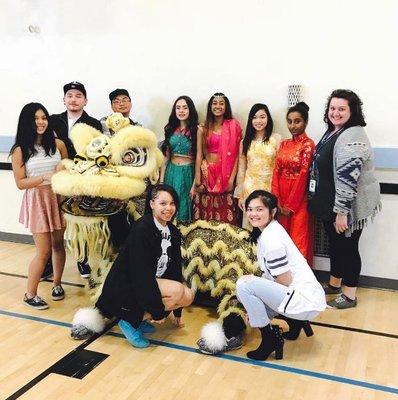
{"x": 40, "y": 211}
{"x": 180, "y": 177}
{"x": 219, "y": 207}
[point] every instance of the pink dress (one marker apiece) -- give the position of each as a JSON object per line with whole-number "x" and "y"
{"x": 216, "y": 203}
{"x": 40, "y": 211}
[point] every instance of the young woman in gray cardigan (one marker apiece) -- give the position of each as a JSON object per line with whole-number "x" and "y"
{"x": 343, "y": 192}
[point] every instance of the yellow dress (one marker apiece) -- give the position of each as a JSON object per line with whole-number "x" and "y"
{"x": 260, "y": 161}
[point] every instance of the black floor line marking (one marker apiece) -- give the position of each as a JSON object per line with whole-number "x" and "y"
{"x": 79, "y": 364}
{"x": 44, "y": 280}
{"x": 347, "y": 328}
{"x": 53, "y": 368}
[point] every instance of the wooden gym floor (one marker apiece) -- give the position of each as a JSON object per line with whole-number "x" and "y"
{"x": 353, "y": 354}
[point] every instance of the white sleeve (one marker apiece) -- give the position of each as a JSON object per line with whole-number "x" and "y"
{"x": 276, "y": 260}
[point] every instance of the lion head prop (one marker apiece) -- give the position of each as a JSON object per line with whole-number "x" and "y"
{"x": 105, "y": 179}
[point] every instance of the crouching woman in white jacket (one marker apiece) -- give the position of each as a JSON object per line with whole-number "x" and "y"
{"x": 287, "y": 286}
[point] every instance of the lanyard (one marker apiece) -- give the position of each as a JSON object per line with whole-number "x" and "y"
{"x": 326, "y": 137}
{"x": 324, "y": 140}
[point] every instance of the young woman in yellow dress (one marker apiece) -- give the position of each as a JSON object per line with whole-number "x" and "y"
{"x": 257, "y": 155}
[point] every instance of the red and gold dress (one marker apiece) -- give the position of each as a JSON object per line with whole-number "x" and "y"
{"x": 289, "y": 184}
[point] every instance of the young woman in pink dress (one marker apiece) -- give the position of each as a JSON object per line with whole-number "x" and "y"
{"x": 217, "y": 163}
{"x": 35, "y": 157}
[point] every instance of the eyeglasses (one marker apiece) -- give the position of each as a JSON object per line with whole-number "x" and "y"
{"x": 121, "y": 101}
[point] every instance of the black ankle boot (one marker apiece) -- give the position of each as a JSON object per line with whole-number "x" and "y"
{"x": 295, "y": 327}
{"x": 271, "y": 340}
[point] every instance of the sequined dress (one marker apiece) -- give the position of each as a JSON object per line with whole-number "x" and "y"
{"x": 289, "y": 184}
{"x": 181, "y": 177}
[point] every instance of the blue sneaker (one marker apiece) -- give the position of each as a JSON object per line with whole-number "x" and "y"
{"x": 146, "y": 327}
{"x": 133, "y": 336}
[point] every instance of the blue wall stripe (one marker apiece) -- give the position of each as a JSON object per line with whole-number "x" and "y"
{"x": 6, "y": 143}
{"x": 385, "y": 157}
{"x": 263, "y": 364}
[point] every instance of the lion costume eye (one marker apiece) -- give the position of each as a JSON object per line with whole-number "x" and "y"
{"x": 79, "y": 158}
{"x": 97, "y": 147}
{"x": 102, "y": 161}
{"x": 135, "y": 157}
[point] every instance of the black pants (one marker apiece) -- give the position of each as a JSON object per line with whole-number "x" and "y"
{"x": 345, "y": 261}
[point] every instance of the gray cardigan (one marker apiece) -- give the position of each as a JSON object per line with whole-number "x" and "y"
{"x": 357, "y": 190}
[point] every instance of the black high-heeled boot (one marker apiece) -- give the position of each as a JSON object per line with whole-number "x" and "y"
{"x": 295, "y": 327}
{"x": 271, "y": 340}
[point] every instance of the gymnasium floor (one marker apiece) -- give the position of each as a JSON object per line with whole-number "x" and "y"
{"x": 353, "y": 354}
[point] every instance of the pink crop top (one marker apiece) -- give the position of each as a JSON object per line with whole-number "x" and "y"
{"x": 213, "y": 143}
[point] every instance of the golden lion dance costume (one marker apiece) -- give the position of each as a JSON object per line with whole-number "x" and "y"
{"x": 104, "y": 187}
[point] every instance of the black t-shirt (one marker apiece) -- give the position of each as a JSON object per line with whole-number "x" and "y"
{"x": 321, "y": 202}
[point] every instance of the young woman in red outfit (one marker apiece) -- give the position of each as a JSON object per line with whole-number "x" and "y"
{"x": 290, "y": 178}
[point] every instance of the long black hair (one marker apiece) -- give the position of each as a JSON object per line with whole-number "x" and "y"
{"x": 174, "y": 123}
{"x": 27, "y": 132}
{"x": 269, "y": 200}
{"x": 302, "y": 108}
{"x": 153, "y": 192}
{"x": 355, "y": 104}
{"x": 251, "y": 132}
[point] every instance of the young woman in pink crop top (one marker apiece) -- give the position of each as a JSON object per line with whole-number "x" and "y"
{"x": 213, "y": 142}
{"x": 217, "y": 163}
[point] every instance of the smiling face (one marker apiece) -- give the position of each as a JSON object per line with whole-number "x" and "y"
{"x": 182, "y": 110}
{"x": 295, "y": 123}
{"x": 122, "y": 104}
{"x": 163, "y": 207}
{"x": 218, "y": 106}
{"x": 339, "y": 112}
{"x": 41, "y": 122}
{"x": 260, "y": 120}
{"x": 258, "y": 214}
{"x": 74, "y": 100}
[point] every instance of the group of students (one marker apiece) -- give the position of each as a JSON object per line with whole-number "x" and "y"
{"x": 219, "y": 170}
{"x": 333, "y": 181}
{"x": 216, "y": 167}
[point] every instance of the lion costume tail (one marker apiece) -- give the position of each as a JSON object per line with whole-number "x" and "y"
{"x": 217, "y": 337}
{"x": 86, "y": 322}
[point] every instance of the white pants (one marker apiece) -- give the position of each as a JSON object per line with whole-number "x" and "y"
{"x": 262, "y": 297}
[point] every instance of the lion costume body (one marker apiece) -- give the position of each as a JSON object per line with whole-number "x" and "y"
{"x": 103, "y": 188}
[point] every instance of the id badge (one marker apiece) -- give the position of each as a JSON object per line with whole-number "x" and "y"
{"x": 312, "y": 185}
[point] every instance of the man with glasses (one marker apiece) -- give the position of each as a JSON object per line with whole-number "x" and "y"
{"x": 120, "y": 102}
